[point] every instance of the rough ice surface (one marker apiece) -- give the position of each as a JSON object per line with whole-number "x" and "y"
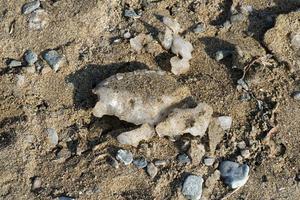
{"x": 139, "y": 97}
{"x": 234, "y": 174}
{"x": 168, "y": 39}
{"x": 182, "y": 47}
{"x": 192, "y": 187}
{"x": 133, "y": 138}
{"x": 179, "y": 66}
{"x": 189, "y": 120}
{"x": 172, "y": 24}
{"x": 225, "y": 122}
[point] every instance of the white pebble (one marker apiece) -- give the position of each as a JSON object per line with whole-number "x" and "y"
{"x": 52, "y": 136}
{"x": 172, "y": 24}
{"x": 168, "y": 39}
{"x": 225, "y": 122}
{"x": 179, "y": 66}
{"x": 182, "y": 47}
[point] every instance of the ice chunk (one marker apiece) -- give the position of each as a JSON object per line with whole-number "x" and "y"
{"x": 182, "y": 47}
{"x": 145, "y": 132}
{"x": 190, "y": 120}
{"x": 172, "y": 24}
{"x": 179, "y": 66}
{"x": 139, "y": 97}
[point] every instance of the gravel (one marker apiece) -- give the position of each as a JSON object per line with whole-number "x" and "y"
{"x": 152, "y": 170}
{"x": 30, "y": 57}
{"x": 234, "y": 174}
{"x": 124, "y": 156}
{"x": 140, "y": 162}
{"x": 30, "y": 7}
{"x": 192, "y": 187}
{"x": 160, "y": 163}
{"x": 53, "y": 58}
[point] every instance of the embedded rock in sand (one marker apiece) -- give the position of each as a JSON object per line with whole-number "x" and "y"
{"x": 190, "y": 120}
{"x": 139, "y": 97}
{"x": 134, "y": 137}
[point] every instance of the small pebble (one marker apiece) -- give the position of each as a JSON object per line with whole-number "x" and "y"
{"x": 127, "y": 35}
{"x": 152, "y": 170}
{"x": 192, "y": 187}
{"x": 199, "y": 28}
{"x": 245, "y": 153}
{"x": 220, "y": 55}
{"x": 52, "y": 136}
{"x": 14, "y": 63}
{"x": 140, "y": 163}
{"x": 36, "y": 183}
{"x": 296, "y": 95}
{"x": 30, "y": 7}
{"x": 241, "y": 145}
{"x": 295, "y": 41}
{"x": 131, "y": 13}
{"x": 125, "y": 156}
{"x": 225, "y": 122}
{"x": 234, "y": 174}
{"x": 53, "y": 58}
{"x": 209, "y": 161}
{"x": 30, "y": 57}
{"x": 160, "y": 163}
{"x": 183, "y": 159}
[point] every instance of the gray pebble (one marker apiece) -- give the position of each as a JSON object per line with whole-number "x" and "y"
{"x": 241, "y": 145}
{"x": 30, "y": 7}
{"x": 192, "y": 187}
{"x": 53, "y": 58}
{"x": 14, "y": 63}
{"x": 152, "y": 170}
{"x": 140, "y": 163}
{"x": 125, "y": 156}
{"x": 234, "y": 174}
{"x": 296, "y": 95}
{"x": 184, "y": 159}
{"x": 209, "y": 161}
{"x": 36, "y": 183}
{"x": 30, "y": 57}
{"x": 131, "y": 13}
{"x": 220, "y": 55}
{"x": 199, "y": 28}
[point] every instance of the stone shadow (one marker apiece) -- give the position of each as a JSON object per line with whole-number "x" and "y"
{"x": 84, "y": 80}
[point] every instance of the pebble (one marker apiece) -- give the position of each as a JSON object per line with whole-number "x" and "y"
{"x": 140, "y": 163}
{"x": 225, "y": 122}
{"x": 125, "y": 156}
{"x": 220, "y": 55}
{"x": 152, "y": 170}
{"x": 52, "y": 136}
{"x": 127, "y": 35}
{"x": 53, "y": 58}
{"x": 14, "y": 63}
{"x": 38, "y": 20}
{"x": 234, "y": 174}
{"x": 184, "y": 159}
{"x": 241, "y": 145}
{"x": 200, "y": 28}
{"x": 192, "y": 187}
{"x": 30, "y": 7}
{"x": 160, "y": 163}
{"x": 296, "y": 95}
{"x": 36, "y": 183}
{"x": 209, "y": 161}
{"x": 245, "y": 153}
{"x": 131, "y": 13}
{"x": 30, "y": 57}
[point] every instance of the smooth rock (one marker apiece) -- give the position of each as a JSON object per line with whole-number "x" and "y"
{"x": 134, "y": 137}
{"x": 234, "y": 174}
{"x": 38, "y": 20}
{"x": 182, "y": 47}
{"x": 140, "y": 97}
{"x": 183, "y": 159}
{"x": 225, "y": 122}
{"x": 190, "y": 120}
{"x": 152, "y": 170}
{"x": 14, "y": 63}
{"x": 179, "y": 66}
{"x": 140, "y": 162}
{"x": 30, "y": 7}
{"x": 192, "y": 187}
{"x": 172, "y": 24}
{"x": 30, "y": 57}
{"x": 196, "y": 152}
{"x": 124, "y": 156}
{"x": 209, "y": 161}
{"x": 52, "y": 136}
{"x": 54, "y": 59}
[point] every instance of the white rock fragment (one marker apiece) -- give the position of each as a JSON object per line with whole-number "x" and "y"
{"x": 140, "y": 97}
{"x": 168, "y": 39}
{"x": 52, "y": 136}
{"x": 295, "y": 41}
{"x": 179, "y": 66}
{"x": 172, "y": 24}
{"x": 190, "y": 120}
{"x": 138, "y": 42}
{"x": 182, "y": 47}
{"x": 225, "y": 122}
{"x": 38, "y": 20}
{"x": 125, "y": 156}
{"x": 134, "y": 137}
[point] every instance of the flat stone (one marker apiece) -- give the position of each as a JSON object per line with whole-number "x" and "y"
{"x": 14, "y": 63}
{"x": 131, "y": 13}
{"x": 54, "y": 59}
{"x": 30, "y": 7}
{"x": 234, "y": 174}
{"x": 30, "y": 57}
{"x": 215, "y": 134}
{"x": 152, "y": 170}
{"x": 192, "y": 187}
{"x": 124, "y": 156}
{"x": 140, "y": 162}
